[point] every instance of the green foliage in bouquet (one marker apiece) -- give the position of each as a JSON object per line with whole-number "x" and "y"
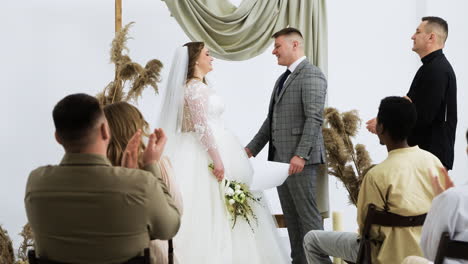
{"x": 238, "y": 199}
{"x": 345, "y": 161}
{"x": 127, "y": 71}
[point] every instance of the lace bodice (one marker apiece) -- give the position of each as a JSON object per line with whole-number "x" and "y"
{"x": 202, "y": 110}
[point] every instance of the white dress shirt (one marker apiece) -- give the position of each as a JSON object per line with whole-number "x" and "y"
{"x": 448, "y": 213}
{"x": 294, "y": 65}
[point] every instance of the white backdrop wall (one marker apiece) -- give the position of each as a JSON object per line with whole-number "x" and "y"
{"x": 52, "y": 48}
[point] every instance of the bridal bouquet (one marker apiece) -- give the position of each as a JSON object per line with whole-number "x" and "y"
{"x": 238, "y": 199}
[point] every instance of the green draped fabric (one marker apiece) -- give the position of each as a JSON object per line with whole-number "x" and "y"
{"x": 241, "y": 33}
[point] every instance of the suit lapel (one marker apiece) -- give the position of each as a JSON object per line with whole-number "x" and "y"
{"x": 291, "y": 78}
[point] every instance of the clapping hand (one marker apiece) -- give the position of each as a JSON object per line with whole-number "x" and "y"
{"x": 436, "y": 186}
{"x": 154, "y": 150}
{"x": 130, "y": 155}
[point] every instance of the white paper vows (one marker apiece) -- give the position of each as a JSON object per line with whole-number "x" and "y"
{"x": 268, "y": 174}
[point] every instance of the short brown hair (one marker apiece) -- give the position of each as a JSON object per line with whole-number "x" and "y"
{"x": 194, "y": 51}
{"x": 287, "y": 32}
{"x": 437, "y": 22}
{"x": 75, "y": 116}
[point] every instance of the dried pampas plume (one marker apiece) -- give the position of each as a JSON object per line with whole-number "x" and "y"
{"x": 345, "y": 161}
{"x": 28, "y": 242}
{"x": 128, "y": 73}
{"x": 6, "y": 247}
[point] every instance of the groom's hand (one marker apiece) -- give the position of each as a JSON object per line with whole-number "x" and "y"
{"x": 249, "y": 153}
{"x": 296, "y": 165}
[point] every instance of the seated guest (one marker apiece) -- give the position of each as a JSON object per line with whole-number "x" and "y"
{"x": 124, "y": 121}
{"x": 85, "y": 210}
{"x": 400, "y": 185}
{"x": 448, "y": 213}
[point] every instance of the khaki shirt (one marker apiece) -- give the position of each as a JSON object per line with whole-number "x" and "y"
{"x": 87, "y": 211}
{"x": 402, "y": 184}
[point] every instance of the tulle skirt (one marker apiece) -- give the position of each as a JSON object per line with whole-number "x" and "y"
{"x": 206, "y": 235}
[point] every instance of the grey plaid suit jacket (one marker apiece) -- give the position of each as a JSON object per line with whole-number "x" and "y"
{"x": 294, "y": 122}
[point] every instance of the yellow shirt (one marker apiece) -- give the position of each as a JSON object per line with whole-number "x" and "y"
{"x": 402, "y": 183}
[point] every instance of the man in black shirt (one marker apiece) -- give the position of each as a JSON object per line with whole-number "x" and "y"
{"x": 433, "y": 92}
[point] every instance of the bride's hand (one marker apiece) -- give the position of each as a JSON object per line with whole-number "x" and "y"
{"x": 219, "y": 171}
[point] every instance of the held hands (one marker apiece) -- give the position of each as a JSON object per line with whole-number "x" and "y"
{"x": 436, "y": 186}
{"x": 154, "y": 150}
{"x": 296, "y": 165}
{"x": 371, "y": 125}
{"x": 249, "y": 153}
{"x": 130, "y": 155}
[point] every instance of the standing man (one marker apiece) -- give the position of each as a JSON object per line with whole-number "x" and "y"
{"x": 293, "y": 129}
{"x": 433, "y": 92}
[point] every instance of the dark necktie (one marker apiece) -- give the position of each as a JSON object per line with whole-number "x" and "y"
{"x": 283, "y": 80}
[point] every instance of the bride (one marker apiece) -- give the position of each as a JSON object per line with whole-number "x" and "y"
{"x": 192, "y": 118}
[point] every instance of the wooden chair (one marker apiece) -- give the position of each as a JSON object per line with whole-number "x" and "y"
{"x": 170, "y": 254}
{"x": 449, "y": 248}
{"x": 145, "y": 259}
{"x": 382, "y": 218}
{"x": 280, "y": 220}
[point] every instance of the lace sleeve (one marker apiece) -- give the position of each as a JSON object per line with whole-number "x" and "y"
{"x": 196, "y": 99}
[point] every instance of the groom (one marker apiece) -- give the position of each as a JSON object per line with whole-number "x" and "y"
{"x": 293, "y": 128}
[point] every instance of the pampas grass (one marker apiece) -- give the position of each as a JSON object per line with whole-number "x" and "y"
{"x": 6, "y": 248}
{"x": 28, "y": 242}
{"x": 345, "y": 161}
{"x": 128, "y": 73}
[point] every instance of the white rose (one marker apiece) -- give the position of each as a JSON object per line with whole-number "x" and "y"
{"x": 231, "y": 201}
{"x": 238, "y": 192}
{"x": 238, "y": 187}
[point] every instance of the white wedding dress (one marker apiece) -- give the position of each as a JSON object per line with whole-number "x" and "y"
{"x": 206, "y": 235}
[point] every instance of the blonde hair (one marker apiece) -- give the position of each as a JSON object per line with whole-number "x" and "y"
{"x": 124, "y": 120}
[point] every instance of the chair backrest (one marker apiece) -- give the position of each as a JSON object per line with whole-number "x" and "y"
{"x": 449, "y": 248}
{"x": 280, "y": 220}
{"x": 382, "y": 218}
{"x": 145, "y": 259}
{"x": 170, "y": 253}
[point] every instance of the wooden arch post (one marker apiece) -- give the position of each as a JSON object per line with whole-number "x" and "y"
{"x": 118, "y": 15}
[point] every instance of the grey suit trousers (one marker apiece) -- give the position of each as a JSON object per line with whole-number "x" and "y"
{"x": 297, "y": 198}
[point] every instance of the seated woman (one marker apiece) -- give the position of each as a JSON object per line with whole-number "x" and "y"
{"x": 124, "y": 120}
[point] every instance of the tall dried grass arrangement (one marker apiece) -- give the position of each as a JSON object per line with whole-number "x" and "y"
{"x": 7, "y": 255}
{"x": 345, "y": 161}
{"x": 128, "y": 73}
{"x": 28, "y": 242}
